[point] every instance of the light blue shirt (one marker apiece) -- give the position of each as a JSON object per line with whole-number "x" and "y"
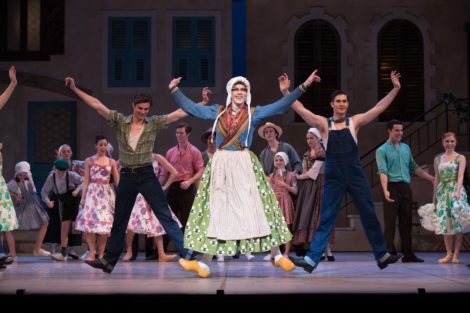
{"x": 259, "y": 115}
{"x": 396, "y": 162}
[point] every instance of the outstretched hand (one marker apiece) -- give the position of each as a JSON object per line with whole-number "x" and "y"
{"x": 174, "y": 82}
{"x": 1, "y": 146}
{"x": 284, "y": 83}
{"x": 205, "y": 95}
{"x": 312, "y": 78}
{"x": 12, "y": 74}
{"x": 70, "y": 82}
{"x": 395, "y": 77}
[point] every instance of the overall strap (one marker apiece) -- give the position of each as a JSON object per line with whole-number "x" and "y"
{"x": 330, "y": 123}
{"x": 55, "y": 184}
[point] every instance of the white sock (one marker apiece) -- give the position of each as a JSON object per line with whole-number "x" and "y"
{"x": 206, "y": 259}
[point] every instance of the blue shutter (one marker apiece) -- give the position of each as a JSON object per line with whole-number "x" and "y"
{"x": 129, "y": 52}
{"x": 194, "y": 50}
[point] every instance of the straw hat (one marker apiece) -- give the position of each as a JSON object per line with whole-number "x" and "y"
{"x": 272, "y": 125}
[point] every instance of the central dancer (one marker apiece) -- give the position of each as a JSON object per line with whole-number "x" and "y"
{"x": 235, "y": 208}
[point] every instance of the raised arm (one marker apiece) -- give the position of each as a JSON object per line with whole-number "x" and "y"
{"x": 285, "y": 102}
{"x": 367, "y": 117}
{"x": 7, "y": 93}
{"x": 309, "y": 117}
{"x": 91, "y": 101}
{"x": 204, "y": 112}
{"x": 179, "y": 114}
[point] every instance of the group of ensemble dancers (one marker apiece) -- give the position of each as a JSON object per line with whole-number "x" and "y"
{"x": 238, "y": 209}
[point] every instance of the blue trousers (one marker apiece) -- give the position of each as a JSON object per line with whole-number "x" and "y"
{"x": 342, "y": 177}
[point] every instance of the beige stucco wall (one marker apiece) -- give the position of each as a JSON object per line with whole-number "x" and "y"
{"x": 270, "y": 27}
{"x": 85, "y": 59}
{"x": 272, "y": 23}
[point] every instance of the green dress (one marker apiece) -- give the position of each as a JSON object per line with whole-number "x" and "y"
{"x": 195, "y": 235}
{"x": 448, "y": 216}
{"x": 8, "y": 219}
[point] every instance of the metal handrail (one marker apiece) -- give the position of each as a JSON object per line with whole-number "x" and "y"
{"x": 421, "y": 148}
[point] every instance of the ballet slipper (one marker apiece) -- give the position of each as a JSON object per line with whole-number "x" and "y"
{"x": 445, "y": 260}
{"x": 127, "y": 257}
{"x": 166, "y": 257}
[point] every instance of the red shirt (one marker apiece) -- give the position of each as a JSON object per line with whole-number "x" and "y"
{"x": 187, "y": 161}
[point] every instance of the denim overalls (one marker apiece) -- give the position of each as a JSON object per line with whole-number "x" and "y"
{"x": 344, "y": 173}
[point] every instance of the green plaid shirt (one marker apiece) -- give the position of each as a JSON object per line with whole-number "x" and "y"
{"x": 142, "y": 155}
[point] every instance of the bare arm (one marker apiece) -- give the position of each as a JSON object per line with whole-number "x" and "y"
{"x": 462, "y": 164}
{"x": 86, "y": 179}
{"x": 367, "y": 117}
{"x": 309, "y": 117}
{"x": 170, "y": 169}
{"x": 436, "y": 181}
{"x": 7, "y": 93}
{"x": 115, "y": 173}
{"x": 91, "y": 101}
{"x": 179, "y": 114}
{"x": 423, "y": 174}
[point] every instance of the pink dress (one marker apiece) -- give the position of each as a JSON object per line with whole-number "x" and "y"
{"x": 282, "y": 194}
{"x": 143, "y": 220}
{"x": 96, "y": 213}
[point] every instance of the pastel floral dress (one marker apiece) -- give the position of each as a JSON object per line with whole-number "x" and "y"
{"x": 96, "y": 213}
{"x": 449, "y": 216}
{"x": 8, "y": 219}
{"x": 143, "y": 220}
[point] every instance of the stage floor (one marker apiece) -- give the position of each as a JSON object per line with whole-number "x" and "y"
{"x": 351, "y": 273}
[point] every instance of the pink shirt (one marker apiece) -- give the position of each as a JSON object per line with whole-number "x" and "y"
{"x": 187, "y": 163}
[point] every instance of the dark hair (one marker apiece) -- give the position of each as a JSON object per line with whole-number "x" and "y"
{"x": 393, "y": 122}
{"x": 100, "y": 137}
{"x": 142, "y": 98}
{"x": 186, "y": 127}
{"x": 336, "y": 93}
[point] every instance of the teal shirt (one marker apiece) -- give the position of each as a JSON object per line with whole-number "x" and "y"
{"x": 397, "y": 163}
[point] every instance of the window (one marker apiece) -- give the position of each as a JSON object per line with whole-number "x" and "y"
{"x": 317, "y": 46}
{"x": 400, "y": 47}
{"x": 194, "y": 50}
{"x": 31, "y": 29}
{"x": 129, "y": 52}
{"x": 50, "y": 125}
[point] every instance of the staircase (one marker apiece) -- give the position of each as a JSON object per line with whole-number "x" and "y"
{"x": 424, "y": 138}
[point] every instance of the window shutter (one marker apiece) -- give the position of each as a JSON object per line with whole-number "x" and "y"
{"x": 317, "y": 46}
{"x": 194, "y": 50}
{"x": 400, "y": 47}
{"x": 129, "y": 52}
{"x": 53, "y": 24}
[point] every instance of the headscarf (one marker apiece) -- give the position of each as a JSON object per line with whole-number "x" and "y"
{"x": 230, "y": 84}
{"x": 285, "y": 157}
{"x": 315, "y": 131}
{"x": 24, "y": 167}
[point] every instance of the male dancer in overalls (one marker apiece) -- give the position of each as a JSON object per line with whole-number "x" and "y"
{"x": 343, "y": 172}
